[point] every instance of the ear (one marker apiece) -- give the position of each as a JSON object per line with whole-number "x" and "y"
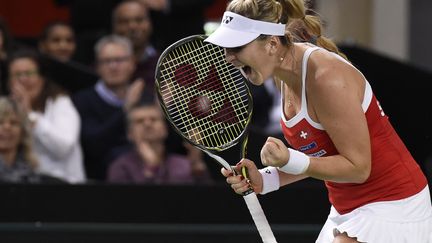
{"x": 273, "y": 44}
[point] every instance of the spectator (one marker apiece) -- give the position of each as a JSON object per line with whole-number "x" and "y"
{"x": 102, "y": 106}
{"x": 57, "y": 45}
{"x": 54, "y": 120}
{"x": 91, "y": 20}
{"x": 58, "y": 41}
{"x": 131, "y": 19}
{"x": 17, "y": 162}
{"x": 148, "y": 161}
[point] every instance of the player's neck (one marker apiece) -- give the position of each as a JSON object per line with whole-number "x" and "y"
{"x": 290, "y": 67}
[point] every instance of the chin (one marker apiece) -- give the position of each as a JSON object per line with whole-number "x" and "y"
{"x": 256, "y": 81}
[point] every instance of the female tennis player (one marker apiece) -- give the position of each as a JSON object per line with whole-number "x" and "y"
{"x": 334, "y": 123}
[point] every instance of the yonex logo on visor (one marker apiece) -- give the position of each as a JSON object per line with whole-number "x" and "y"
{"x": 236, "y": 30}
{"x": 238, "y": 22}
{"x": 227, "y": 19}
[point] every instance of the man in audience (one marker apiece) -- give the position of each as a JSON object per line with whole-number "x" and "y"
{"x": 102, "y": 107}
{"x": 148, "y": 162}
{"x": 131, "y": 19}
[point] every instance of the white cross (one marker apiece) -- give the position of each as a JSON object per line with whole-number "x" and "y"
{"x": 303, "y": 134}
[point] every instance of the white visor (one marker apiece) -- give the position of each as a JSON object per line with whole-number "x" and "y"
{"x": 236, "y": 30}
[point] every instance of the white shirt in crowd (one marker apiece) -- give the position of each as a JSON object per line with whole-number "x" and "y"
{"x": 56, "y": 141}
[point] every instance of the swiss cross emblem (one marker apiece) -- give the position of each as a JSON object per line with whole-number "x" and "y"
{"x": 303, "y": 134}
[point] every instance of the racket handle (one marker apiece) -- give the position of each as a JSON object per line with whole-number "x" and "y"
{"x": 259, "y": 218}
{"x": 245, "y": 174}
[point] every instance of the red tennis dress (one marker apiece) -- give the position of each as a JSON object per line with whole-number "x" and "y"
{"x": 395, "y": 174}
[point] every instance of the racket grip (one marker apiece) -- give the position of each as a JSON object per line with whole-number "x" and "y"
{"x": 259, "y": 218}
{"x": 245, "y": 174}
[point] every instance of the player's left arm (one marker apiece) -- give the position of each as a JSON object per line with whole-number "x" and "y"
{"x": 336, "y": 98}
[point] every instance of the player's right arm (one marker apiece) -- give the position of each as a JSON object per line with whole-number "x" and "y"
{"x": 240, "y": 184}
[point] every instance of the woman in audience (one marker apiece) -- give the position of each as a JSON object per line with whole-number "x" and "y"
{"x": 58, "y": 41}
{"x": 54, "y": 120}
{"x": 17, "y": 162}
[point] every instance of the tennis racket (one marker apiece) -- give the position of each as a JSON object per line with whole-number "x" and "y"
{"x": 208, "y": 103}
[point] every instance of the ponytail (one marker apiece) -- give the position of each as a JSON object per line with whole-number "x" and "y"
{"x": 306, "y": 27}
{"x": 314, "y": 27}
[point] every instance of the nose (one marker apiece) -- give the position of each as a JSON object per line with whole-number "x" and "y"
{"x": 64, "y": 44}
{"x": 132, "y": 24}
{"x": 22, "y": 78}
{"x": 113, "y": 64}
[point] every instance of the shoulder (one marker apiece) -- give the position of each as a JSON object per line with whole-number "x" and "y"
{"x": 61, "y": 104}
{"x": 329, "y": 74}
{"x": 87, "y": 93}
{"x": 85, "y": 97}
{"x": 62, "y": 99}
{"x": 126, "y": 159}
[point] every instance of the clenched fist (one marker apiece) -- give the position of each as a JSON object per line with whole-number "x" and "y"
{"x": 274, "y": 153}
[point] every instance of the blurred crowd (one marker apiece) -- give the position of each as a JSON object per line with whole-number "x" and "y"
{"x": 79, "y": 105}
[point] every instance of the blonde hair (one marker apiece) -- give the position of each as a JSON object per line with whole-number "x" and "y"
{"x": 301, "y": 24}
{"x": 9, "y": 107}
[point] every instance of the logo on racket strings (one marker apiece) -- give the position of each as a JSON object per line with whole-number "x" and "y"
{"x": 201, "y": 105}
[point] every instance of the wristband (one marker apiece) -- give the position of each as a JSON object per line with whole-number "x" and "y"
{"x": 270, "y": 178}
{"x": 297, "y": 163}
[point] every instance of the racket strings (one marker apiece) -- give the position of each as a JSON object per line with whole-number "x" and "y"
{"x": 192, "y": 55}
{"x": 202, "y": 127}
{"x": 214, "y": 84}
{"x": 177, "y": 116}
{"x": 175, "y": 93}
{"x": 196, "y": 61}
{"x": 219, "y": 115}
{"x": 225, "y": 116}
{"x": 217, "y": 100}
{"x": 208, "y": 87}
